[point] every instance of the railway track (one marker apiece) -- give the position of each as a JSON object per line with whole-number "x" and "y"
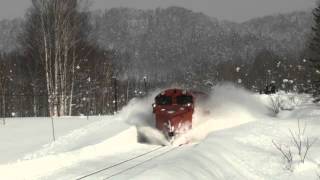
{"x": 121, "y": 167}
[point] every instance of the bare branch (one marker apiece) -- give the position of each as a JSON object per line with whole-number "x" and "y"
{"x": 308, "y": 145}
{"x": 287, "y": 154}
{"x": 275, "y": 104}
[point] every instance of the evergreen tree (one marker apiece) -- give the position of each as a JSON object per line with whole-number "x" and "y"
{"x": 314, "y": 46}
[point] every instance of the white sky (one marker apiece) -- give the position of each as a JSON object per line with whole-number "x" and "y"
{"x": 235, "y": 10}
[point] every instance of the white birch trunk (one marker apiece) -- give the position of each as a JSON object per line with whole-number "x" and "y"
{"x": 72, "y": 81}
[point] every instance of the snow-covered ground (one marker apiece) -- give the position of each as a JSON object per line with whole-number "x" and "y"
{"x": 24, "y": 135}
{"x": 234, "y": 141}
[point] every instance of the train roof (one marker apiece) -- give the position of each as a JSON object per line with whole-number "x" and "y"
{"x": 175, "y": 92}
{"x": 178, "y": 91}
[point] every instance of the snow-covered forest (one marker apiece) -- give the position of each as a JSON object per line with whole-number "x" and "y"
{"x": 139, "y": 50}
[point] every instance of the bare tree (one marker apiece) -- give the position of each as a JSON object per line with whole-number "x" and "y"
{"x": 3, "y": 84}
{"x": 275, "y": 104}
{"x": 286, "y": 153}
{"x": 54, "y": 35}
{"x": 301, "y": 143}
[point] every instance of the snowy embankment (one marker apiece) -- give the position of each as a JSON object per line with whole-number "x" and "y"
{"x": 20, "y": 136}
{"x": 233, "y": 141}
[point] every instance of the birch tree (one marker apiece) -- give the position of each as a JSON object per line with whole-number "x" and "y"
{"x": 314, "y": 46}
{"x": 3, "y": 84}
{"x": 54, "y": 33}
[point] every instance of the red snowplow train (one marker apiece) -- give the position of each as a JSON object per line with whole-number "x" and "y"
{"x": 173, "y": 110}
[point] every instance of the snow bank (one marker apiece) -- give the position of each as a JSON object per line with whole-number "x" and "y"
{"x": 20, "y": 136}
{"x": 40, "y": 167}
{"x": 88, "y": 135}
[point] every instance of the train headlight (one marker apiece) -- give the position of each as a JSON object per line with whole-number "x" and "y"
{"x": 154, "y": 105}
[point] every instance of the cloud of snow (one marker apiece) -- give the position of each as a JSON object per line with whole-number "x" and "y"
{"x": 227, "y": 106}
{"x": 139, "y": 113}
{"x": 151, "y": 135}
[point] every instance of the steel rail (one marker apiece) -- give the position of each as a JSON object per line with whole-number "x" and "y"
{"x": 136, "y": 165}
{"x": 119, "y": 163}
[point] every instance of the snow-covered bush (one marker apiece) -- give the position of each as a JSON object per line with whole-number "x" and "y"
{"x": 283, "y": 101}
{"x": 290, "y": 100}
{"x": 275, "y": 104}
{"x": 298, "y": 150}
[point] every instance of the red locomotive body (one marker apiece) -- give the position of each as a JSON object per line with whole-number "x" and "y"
{"x": 173, "y": 109}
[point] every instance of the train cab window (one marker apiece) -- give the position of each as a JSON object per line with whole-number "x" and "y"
{"x": 184, "y": 99}
{"x": 163, "y": 100}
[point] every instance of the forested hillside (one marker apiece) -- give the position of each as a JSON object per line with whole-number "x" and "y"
{"x": 191, "y": 46}
{"x": 145, "y": 49}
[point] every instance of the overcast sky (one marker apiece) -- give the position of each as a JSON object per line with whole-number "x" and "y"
{"x": 235, "y": 10}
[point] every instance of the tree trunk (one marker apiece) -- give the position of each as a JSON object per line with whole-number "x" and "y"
{"x": 72, "y": 81}
{"x": 35, "y": 106}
